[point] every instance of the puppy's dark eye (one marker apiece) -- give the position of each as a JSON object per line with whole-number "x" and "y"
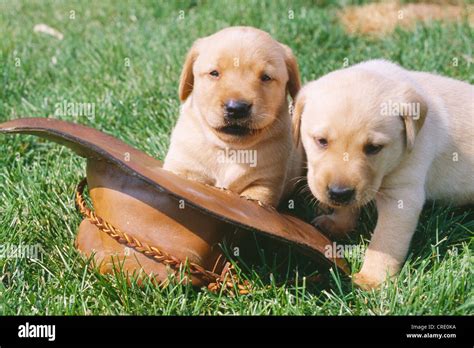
{"x": 214, "y": 73}
{"x": 372, "y": 149}
{"x": 322, "y": 142}
{"x": 265, "y": 78}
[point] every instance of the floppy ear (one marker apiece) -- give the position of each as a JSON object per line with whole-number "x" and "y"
{"x": 294, "y": 81}
{"x": 413, "y": 116}
{"x": 186, "y": 81}
{"x": 297, "y": 112}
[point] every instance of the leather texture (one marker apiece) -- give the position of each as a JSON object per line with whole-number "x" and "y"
{"x": 187, "y": 219}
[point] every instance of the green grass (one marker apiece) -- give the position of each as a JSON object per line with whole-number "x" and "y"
{"x": 139, "y": 104}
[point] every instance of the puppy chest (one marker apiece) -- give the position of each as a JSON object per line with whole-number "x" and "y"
{"x": 234, "y": 177}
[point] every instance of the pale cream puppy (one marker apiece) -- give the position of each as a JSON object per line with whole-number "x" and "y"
{"x": 378, "y": 131}
{"x": 234, "y": 130}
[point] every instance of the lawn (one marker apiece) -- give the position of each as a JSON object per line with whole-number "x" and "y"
{"x": 124, "y": 58}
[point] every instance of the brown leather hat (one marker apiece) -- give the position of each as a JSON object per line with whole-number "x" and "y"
{"x": 147, "y": 219}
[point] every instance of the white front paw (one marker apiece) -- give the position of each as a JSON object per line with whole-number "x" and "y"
{"x": 377, "y": 268}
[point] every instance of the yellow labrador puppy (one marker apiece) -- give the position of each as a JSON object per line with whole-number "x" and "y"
{"x": 378, "y": 131}
{"x": 234, "y": 130}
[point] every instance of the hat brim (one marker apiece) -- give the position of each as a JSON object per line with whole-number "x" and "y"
{"x": 223, "y": 205}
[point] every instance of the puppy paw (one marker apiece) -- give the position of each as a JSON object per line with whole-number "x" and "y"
{"x": 366, "y": 281}
{"x": 333, "y": 228}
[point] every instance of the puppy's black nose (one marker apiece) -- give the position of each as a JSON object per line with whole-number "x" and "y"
{"x": 341, "y": 194}
{"x": 235, "y": 109}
